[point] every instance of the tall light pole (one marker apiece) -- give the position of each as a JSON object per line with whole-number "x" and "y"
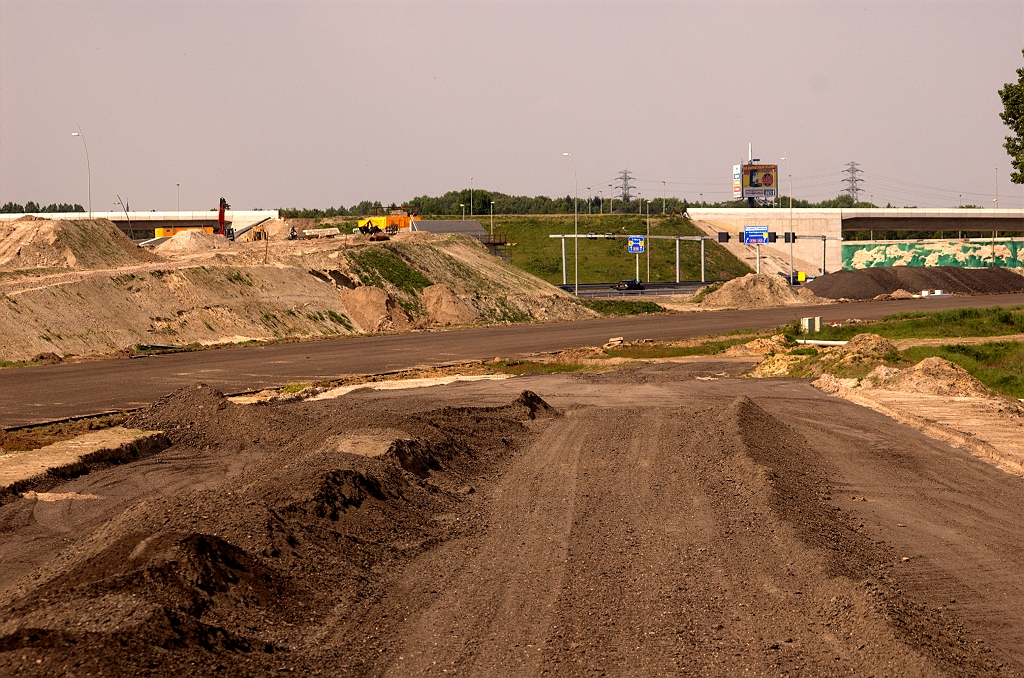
{"x": 470, "y": 198}
{"x": 177, "y": 188}
{"x": 611, "y": 198}
{"x": 601, "y": 196}
{"x": 590, "y": 201}
{"x": 664, "y": 196}
{"x": 576, "y": 223}
{"x": 125, "y": 209}
{"x": 88, "y": 168}
{"x": 792, "y": 236}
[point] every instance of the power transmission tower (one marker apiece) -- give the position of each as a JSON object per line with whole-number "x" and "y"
{"x": 625, "y": 186}
{"x": 853, "y": 181}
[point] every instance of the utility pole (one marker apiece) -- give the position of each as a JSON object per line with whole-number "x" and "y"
{"x": 853, "y": 181}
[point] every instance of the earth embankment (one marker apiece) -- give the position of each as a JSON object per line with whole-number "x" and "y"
{"x": 204, "y": 292}
{"x": 639, "y": 522}
{"x": 34, "y": 243}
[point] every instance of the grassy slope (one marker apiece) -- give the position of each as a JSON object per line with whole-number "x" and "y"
{"x": 604, "y": 260}
{"x": 960, "y": 322}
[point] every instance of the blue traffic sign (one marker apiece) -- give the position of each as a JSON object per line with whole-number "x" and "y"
{"x": 755, "y": 235}
{"x": 636, "y": 244}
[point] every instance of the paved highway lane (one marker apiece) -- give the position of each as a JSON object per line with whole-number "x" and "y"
{"x": 37, "y": 394}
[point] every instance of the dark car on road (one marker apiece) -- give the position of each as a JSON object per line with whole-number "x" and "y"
{"x": 628, "y": 285}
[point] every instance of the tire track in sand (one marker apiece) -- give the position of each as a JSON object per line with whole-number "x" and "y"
{"x": 494, "y": 613}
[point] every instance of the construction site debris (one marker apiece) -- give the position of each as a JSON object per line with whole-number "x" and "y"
{"x": 193, "y": 240}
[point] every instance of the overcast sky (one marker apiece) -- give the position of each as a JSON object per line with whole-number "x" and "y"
{"x": 316, "y": 104}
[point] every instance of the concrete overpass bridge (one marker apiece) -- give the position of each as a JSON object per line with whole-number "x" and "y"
{"x": 141, "y": 225}
{"x": 820, "y": 231}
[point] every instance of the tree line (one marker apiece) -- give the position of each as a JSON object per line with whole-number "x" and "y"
{"x": 481, "y": 202}
{"x": 35, "y": 208}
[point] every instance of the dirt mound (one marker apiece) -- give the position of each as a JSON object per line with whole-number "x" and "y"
{"x": 869, "y": 345}
{"x": 236, "y": 575}
{"x": 373, "y": 309}
{"x": 444, "y": 307}
{"x": 753, "y": 291}
{"x": 869, "y": 283}
{"x": 31, "y": 242}
{"x": 193, "y": 240}
{"x": 759, "y": 346}
{"x": 938, "y": 376}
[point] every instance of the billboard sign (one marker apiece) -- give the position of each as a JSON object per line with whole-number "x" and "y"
{"x": 755, "y": 235}
{"x": 737, "y": 182}
{"x": 760, "y": 181}
{"x": 635, "y": 244}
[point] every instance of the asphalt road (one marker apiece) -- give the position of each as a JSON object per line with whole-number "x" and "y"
{"x": 33, "y": 395}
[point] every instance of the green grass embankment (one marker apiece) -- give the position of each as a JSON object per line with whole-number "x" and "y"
{"x": 602, "y": 260}
{"x": 958, "y": 322}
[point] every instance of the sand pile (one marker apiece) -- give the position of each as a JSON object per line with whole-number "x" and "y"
{"x": 444, "y": 307}
{"x": 869, "y": 345}
{"x": 31, "y": 242}
{"x": 869, "y": 283}
{"x": 937, "y": 376}
{"x": 759, "y": 346}
{"x": 193, "y": 240}
{"x": 753, "y": 291}
{"x": 373, "y": 309}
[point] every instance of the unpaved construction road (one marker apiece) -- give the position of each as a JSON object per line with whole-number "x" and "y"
{"x": 639, "y": 522}
{"x": 51, "y": 392}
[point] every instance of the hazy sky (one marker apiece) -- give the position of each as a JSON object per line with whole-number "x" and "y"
{"x": 301, "y": 103}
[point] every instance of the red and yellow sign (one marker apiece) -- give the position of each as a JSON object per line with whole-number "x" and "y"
{"x": 760, "y": 181}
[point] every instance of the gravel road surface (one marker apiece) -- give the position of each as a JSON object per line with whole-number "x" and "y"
{"x": 50, "y": 392}
{"x": 649, "y": 524}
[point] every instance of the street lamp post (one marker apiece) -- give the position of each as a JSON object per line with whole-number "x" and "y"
{"x": 576, "y": 223}
{"x": 601, "y": 197}
{"x": 792, "y": 236}
{"x": 611, "y": 199}
{"x": 590, "y": 201}
{"x": 88, "y": 168}
{"x": 125, "y": 209}
{"x": 664, "y": 197}
{"x": 177, "y": 188}
{"x": 470, "y": 197}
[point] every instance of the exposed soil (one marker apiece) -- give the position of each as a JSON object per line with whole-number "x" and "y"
{"x": 641, "y": 522}
{"x": 193, "y": 240}
{"x": 204, "y": 290}
{"x": 33, "y": 243}
{"x": 868, "y": 283}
